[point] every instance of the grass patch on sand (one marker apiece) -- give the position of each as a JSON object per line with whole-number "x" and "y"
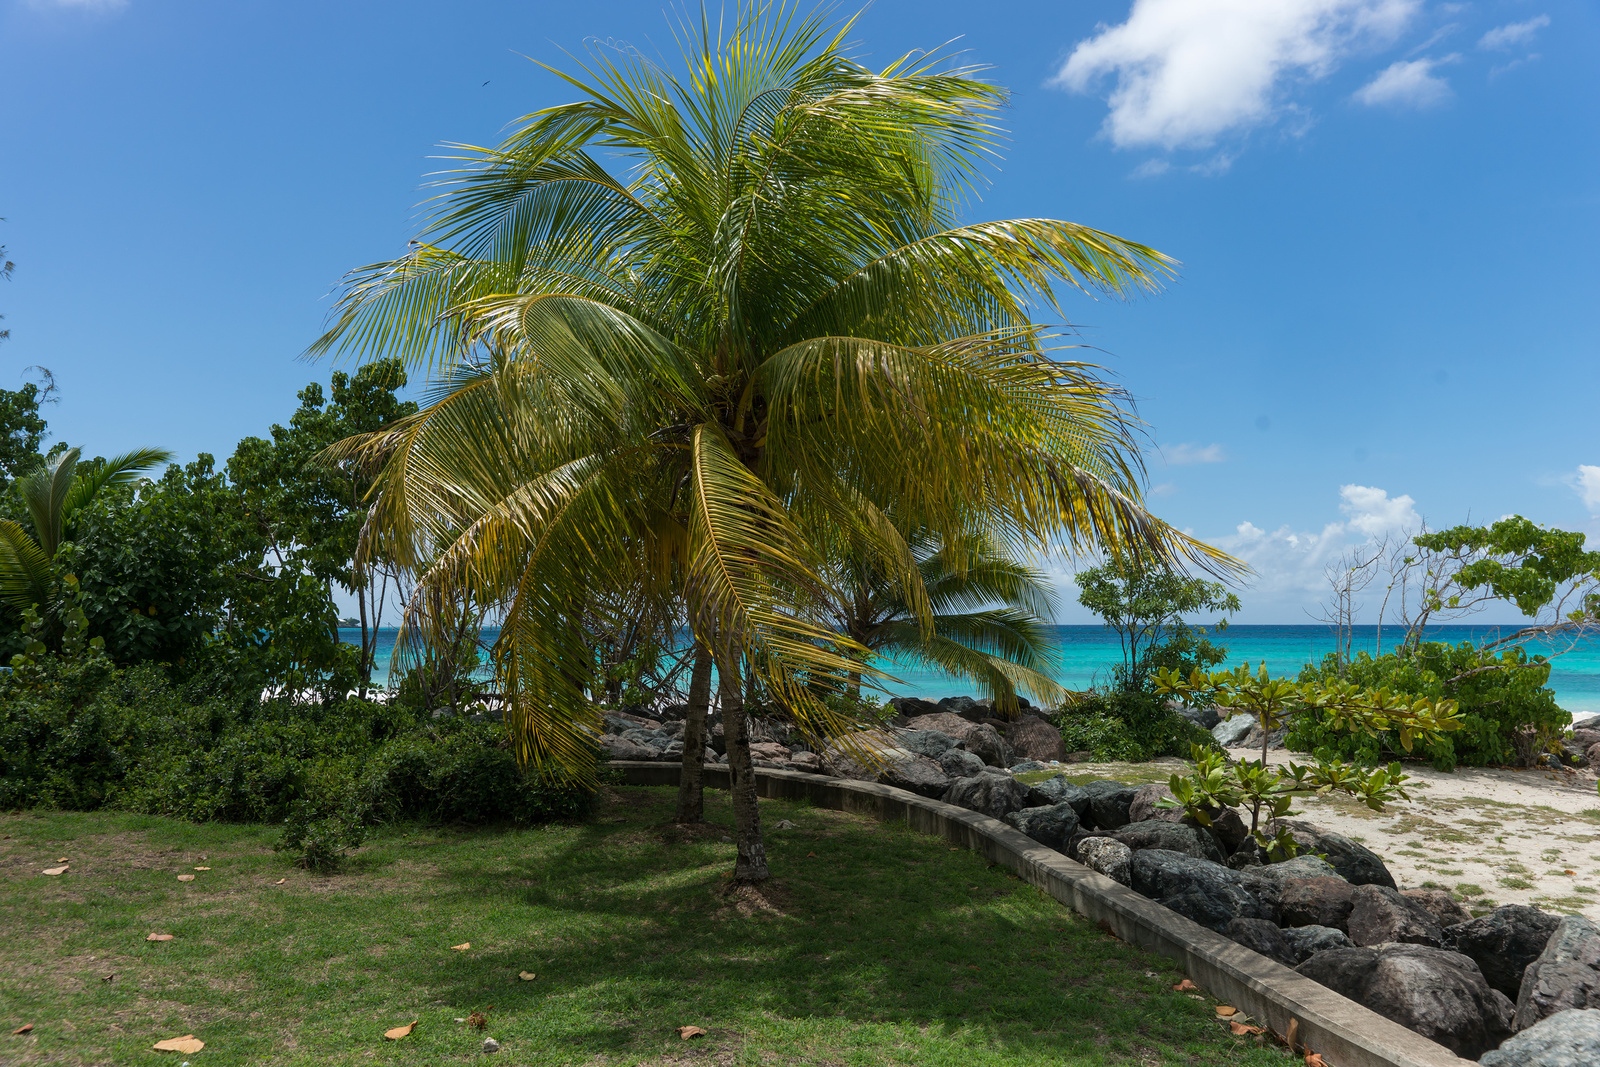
{"x": 872, "y": 945}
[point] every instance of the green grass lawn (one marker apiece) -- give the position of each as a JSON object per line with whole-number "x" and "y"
{"x": 872, "y": 945}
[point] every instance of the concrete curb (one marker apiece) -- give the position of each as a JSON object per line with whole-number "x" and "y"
{"x": 1344, "y": 1032}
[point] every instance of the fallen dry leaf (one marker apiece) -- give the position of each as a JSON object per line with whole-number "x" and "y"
{"x": 809, "y": 855}
{"x": 23, "y": 1029}
{"x": 186, "y": 1043}
{"x": 110, "y": 977}
{"x": 61, "y": 859}
{"x": 159, "y": 937}
{"x": 1569, "y": 872}
{"x": 478, "y": 1020}
{"x": 1292, "y": 1036}
{"x": 462, "y": 947}
{"x": 527, "y": 976}
{"x": 185, "y": 877}
{"x": 686, "y": 1032}
{"x": 1314, "y": 1059}
{"x": 1224, "y": 1011}
{"x": 53, "y": 871}
{"x": 1240, "y": 1029}
{"x": 401, "y": 1031}
{"x": 202, "y": 868}
{"x": 1184, "y": 986}
{"x": 280, "y": 881}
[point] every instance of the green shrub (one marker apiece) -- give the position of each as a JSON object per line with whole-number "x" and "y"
{"x": 1119, "y": 725}
{"x": 1508, "y": 713}
{"x": 82, "y": 735}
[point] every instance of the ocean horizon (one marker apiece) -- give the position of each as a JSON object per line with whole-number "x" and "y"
{"x": 1084, "y": 656}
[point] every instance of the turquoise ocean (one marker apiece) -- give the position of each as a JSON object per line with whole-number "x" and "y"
{"x": 1084, "y": 656}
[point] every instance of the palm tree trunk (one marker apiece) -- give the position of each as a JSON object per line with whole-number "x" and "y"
{"x": 752, "y": 863}
{"x": 691, "y": 789}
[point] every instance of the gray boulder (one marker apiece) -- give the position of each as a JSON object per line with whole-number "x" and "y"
{"x": 994, "y": 795}
{"x": 1380, "y": 915}
{"x": 1205, "y": 718}
{"x": 1355, "y": 864}
{"x": 1504, "y": 942}
{"x": 912, "y": 707}
{"x": 1033, "y": 738}
{"x": 944, "y": 722}
{"x": 1209, "y": 893}
{"x": 1317, "y": 902}
{"x": 1432, "y": 991}
{"x": 1174, "y": 837}
{"x": 963, "y": 706}
{"x": 1443, "y": 907}
{"x": 1307, "y": 941}
{"x": 1230, "y": 732}
{"x": 985, "y": 742}
{"x": 1058, "y": 790}
{"x": 930, "y": 743}
{"x": 1566, "y": 975}
{"x": 1299, "y": 867}
{"x": 620, "y": 748}
{"x": 1146, "y": 805}
{"x": 959, "y": 763}
{"x": 1568, "y": 1038}
{"x": 1051, "y": 826}
{"x": 800, "y": 761}
{"x": 1107, "y": 856}
{"x": 919, "y": 775}
{"x": 1263, "y": 937}
{"x": 1028, "y": 766}
{"x": 1109, "y": 803}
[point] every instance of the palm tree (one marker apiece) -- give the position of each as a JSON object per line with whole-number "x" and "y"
{"x": 766, "y": 331}
{"x": 988, "y": 615}
{"x": 55, "y": 495}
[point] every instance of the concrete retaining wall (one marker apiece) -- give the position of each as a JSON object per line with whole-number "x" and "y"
{"x": 1344, "y": 1032}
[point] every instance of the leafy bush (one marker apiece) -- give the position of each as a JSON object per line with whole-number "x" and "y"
{"x": 1127, "y": 726}
{"x": 82, "y": 735}
{"x": 1508, "y": 714}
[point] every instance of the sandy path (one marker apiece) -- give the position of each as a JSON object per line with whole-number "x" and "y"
{"x": 1491, "y": 836}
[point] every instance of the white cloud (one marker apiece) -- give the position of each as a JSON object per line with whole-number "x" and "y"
{"x": 1151, "y": 168}
{"x": 1587, "y": 483}
{"x": 1408, "y": 83}
{"x": 1374, "y": 513}
{"x": 1513, "y": 35}
{"x": 1189, "y": 71}
{"x": 1164, "y": 489}
{"x": 1185, "y": 455}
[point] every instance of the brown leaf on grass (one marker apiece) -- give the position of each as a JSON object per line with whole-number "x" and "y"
{"x": 187, "y": 1043}
{"x": 1292, "y": 1036}
{"x": 158, "y": 937}
{"x": 61, "y": 859}
{"x": 185, "y": 877}
{"x": 1184, "y": 986}
{"x": 401, "y": 1031}
{"x": 202, "y": 868}
{"x": 686, "y": 1032}
{"x": 110, "y": 977}
{"x": 53, "y": 871}
{"x": 23, "y": 1029}
{"x": 527, "y": 976}
{"x": 461, "y": 947}
{"x": 1224, "y": 1011}
{"x": 1314, "y": 1059}
{"x": 280, "y": 881}
{"x": 809, "y": 855}
{"x": 1240, "y": 1029}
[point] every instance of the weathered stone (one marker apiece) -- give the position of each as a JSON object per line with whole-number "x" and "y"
{"x": 862, "y": 755}
{"x": 994, "y": 795}
{"x": 919, "y": 775}
{"x": 1205, "y": 718}
{"x": 962, "y": 706}
{"x": 1298, "y": 868}
{"x": 1206, "y": 892}
{"x": 959, "y": 763}
{"x": 1381, "y": 915}
{"x": 1109, "y": 803}
{"x": 930, "y": 743}
{"x": 912, "y": 707}
{"x": 1230, "y": 828}
{"x": 1568, "y": 1038}
{"x": 1261, "y": 936}
{"x": 1307, "y": 941}
{"x": 985, "y": 742}
{"x": 1572, "y": 755}
{"x": 1174, "y": 837}
{"x": 1058, "y": 790}
{"x": 1230, "y": 732}
{"x": 1252, "y": 740}
{"x": 1027, "y": 766}
{"x": 1444, "y": 909}
{"x": 1355, "y": 864}
{"x": 1031, "y": 737}
{"x": 1051, "y": 826}
{"x": 1566, "y": 975}
{"x": 1108, "y": 856}
{"x": 1317, "y": 902}
{"x": 620, "y": 748}
{"x": 1593, "y": 752}
{"x": 806, "y": 761}
{"x": 769, "y": 750}
{"x": 1145, "y": 805}
{"x": 1504, "y": 942}
{"x": 1437, "y": 993}
{"x": 944, "y": 722}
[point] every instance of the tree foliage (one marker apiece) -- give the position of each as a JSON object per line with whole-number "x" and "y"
{"x": 1143, "y": 601}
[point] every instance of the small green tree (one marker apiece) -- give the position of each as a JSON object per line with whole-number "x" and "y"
{"x": 1144, "y": 603}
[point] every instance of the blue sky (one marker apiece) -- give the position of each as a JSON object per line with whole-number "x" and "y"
{"x": 1386, "y": 212}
